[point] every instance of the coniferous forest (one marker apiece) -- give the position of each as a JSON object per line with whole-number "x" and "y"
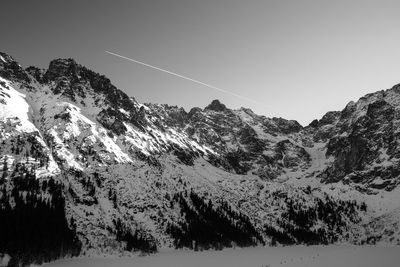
{"x": 207, "y": 225}
{"x": 33, "y": 225}
{"x": 298, "y": 224}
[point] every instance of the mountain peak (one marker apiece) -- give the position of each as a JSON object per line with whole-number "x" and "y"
{"x": 4, "y": 57}
{"x": 62, "y": 67}
{"x": 216, "y": 105}
{"x": 10, "y": 69}
{"x": 396, "y": 87}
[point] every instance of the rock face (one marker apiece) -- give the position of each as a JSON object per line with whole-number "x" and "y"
{"x": 216, "y": 106}
{"x": 365, "y": 143}
{"x": 119, "y": 176}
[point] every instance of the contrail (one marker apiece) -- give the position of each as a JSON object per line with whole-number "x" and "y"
{"x": 184, "y": 77}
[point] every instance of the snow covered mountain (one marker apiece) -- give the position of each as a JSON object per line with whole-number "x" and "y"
{"x": 85, "y": 169}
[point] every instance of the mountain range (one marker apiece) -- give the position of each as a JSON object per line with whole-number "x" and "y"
{"x": 87, "y": 170}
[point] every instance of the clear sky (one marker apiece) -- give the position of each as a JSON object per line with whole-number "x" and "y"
{"x": 299, "y": 59}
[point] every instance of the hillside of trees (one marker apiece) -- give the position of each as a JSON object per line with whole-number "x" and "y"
{"x": 207, "y": 225}
{"x": 33, "y": 225}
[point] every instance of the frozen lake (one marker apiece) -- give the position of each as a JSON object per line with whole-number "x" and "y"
{"x": 296, "y": 256}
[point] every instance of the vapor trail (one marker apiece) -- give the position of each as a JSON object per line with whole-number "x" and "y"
{"x": 184, "y": 77}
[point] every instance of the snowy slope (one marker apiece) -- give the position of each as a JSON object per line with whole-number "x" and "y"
{"x": 16, "y": 124}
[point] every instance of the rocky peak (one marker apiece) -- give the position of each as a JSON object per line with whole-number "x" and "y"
{"x": 396, "y": 88}
{"x": 11, "y": 70}
{"x": 72, "y": 79}
{"x": 348, "y": 110}
{"x": 6, "y": 58}
{"x": 216, "y": 105}
{"x": 176, "y": 115}
{"x": 194, "y": 111}
{"x": 329, "y": 118}
{"x": 62, "y": 68}
{"x": 314, "y": 124}
{"x": 287, "y": 126}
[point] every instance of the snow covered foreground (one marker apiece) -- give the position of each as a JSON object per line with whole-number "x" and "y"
{"x": 294, "y": 256}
